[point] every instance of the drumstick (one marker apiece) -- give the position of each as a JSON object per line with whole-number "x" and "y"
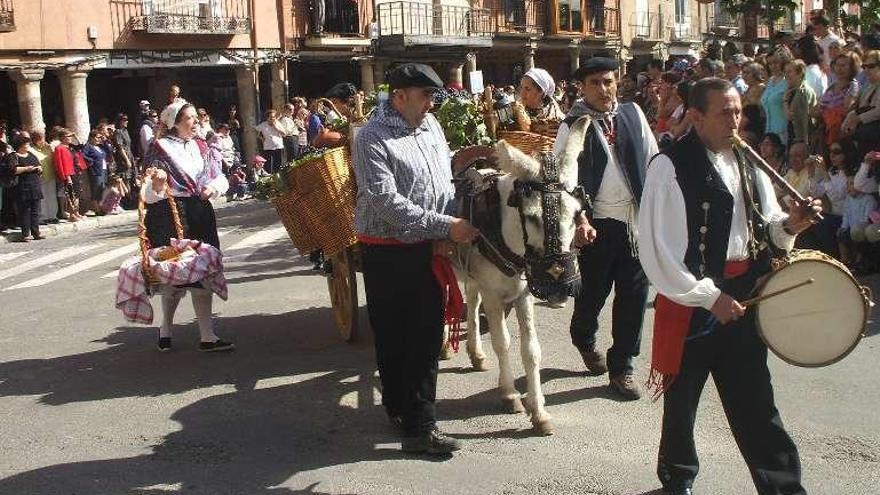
{"x": 774, "y": 175}
{"x": 756, "y": 300}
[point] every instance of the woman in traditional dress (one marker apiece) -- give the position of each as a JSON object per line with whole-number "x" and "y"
{"x": 177, "y": 164}
{"x": 537, "y": 110}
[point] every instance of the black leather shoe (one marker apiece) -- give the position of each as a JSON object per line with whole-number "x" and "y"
{"x": 164, "y": 344}
{"x": 434, "y": 443}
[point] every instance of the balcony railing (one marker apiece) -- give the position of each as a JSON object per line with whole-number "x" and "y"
{"x": 685, "y": 28}
{"x": 647, "y": 25}
{"x": 340, "y": 18}
{"x": 441, "y": 21}
{"x": 603, "y": 21}
{"x": 519, "y": 17}
{"x": 7, "y": 16}
{"x": 226, "y": 17}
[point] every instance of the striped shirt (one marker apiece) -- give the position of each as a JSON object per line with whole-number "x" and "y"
{"x": 404, "y": 178}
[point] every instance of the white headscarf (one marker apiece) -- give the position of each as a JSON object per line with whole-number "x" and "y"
{"x": 543, "y": 79}
{"x": 169, "y": 114}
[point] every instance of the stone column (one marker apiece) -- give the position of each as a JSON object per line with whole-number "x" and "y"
{"x": 379, "y": 72}
{"x": 574, "y": 55}
{"x": 30, "y": 103}
{"x": 76, "y": 101}
{"x": 247, "y": 110}
{"x": 368, "y": 82}
{"x": 279, "y": 85}
{"x": 529, "y": 58}
{"x": 455, "y": 73}
{"x": 470, "y": 65}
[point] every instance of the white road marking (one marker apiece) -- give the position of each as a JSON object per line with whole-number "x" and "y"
{"x": 75, "y": 268}
{"x": 45, "y": 260}
{"x": 259, "y": 239}
{"x": 11, "y": 256}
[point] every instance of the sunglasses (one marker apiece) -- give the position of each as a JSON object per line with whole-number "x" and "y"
{"x": 870, "y": 66}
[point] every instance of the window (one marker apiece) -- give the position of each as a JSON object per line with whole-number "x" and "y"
{"x": 571, "y": 17}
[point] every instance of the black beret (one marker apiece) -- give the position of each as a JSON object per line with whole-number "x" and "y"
{"x": 413, "y": 75}
{"x": 594, "y": 65}
{"x": 342, "y": 91}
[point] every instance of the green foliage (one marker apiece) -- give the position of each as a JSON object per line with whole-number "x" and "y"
{"x": 276, "y": 184}
{"x": 777, "y": 8}
{"x": 870, "y": 15}
{"x": 462, "y": 123}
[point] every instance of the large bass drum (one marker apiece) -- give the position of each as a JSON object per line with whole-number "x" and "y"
{"x": 816, "y": 324}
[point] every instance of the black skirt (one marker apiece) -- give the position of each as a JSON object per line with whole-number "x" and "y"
{"x": 196, "y": 216}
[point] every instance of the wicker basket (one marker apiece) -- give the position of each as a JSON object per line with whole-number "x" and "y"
{"x": 529, "y": 143}
{"x": 317, "y": 209}
{"x": 167, "y": 253}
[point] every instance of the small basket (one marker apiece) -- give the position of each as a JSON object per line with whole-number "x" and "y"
{"x": 317, "y": 209}
{"x": 167, "y": 253}
{"x": 529, "y": 143}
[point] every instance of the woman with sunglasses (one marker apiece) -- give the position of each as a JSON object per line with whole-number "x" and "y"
{"x": 863, "y": 123}
{"x": 831, "y": 187}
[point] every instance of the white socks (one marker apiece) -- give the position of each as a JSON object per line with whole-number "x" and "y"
{"x": 202, "y": 305}
{"x": 170, "y": 301}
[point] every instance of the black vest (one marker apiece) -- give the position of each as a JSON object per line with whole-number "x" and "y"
{"x": 593, "y": 160}
{"x": 709, "y": 210}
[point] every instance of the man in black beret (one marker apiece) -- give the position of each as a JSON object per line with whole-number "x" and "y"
{"x": 405, "y": 223}
{"x": 612, "y": 143}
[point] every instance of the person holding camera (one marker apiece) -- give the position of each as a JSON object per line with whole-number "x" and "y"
{"x": 23, "y": 171}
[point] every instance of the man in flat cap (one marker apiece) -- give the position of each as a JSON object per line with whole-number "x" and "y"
{"x": 613, "y": 143}
{"x": 404, "y": 217}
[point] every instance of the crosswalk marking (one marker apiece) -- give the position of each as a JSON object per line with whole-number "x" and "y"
{"x": 114, "y": 273}
{"x": 45, "y": 260}
{"x": 11, "y": 256}
{"x": 261, "y": 238}
{"x": 75, "y": 268}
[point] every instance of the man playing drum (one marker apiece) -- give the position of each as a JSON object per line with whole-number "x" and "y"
{"x": 403, "y": 218}
{"x": 709, "y": 223}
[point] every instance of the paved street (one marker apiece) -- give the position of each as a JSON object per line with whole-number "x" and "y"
{"x": 90, "y": 407}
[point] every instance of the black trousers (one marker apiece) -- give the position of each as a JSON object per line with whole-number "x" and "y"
{"x": 406, "y": 314}
{"x": 737, "y": 359}
{"x": 609, "y": 261}
{"x": 274, "y": 160}
{"x": 28, "y": 211}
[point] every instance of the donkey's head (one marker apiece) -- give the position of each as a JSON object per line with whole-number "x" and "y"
{"x": 542, "y": 201}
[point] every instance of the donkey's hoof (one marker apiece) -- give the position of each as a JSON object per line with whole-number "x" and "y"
{"x": 513, "y": 405}
{"x": 479, "y": 363}
{"x": 544, "y": 427}
{"x": 446, "y": 352}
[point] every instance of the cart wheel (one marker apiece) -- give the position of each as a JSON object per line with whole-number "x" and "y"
{"x": 342, "y": 284}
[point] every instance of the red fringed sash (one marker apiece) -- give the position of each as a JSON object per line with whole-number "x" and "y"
{"x": 453, "y": 302}
{"x": 671, "y": 324}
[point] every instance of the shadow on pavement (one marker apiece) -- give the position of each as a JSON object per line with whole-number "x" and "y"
{"x": 235, "y": 442}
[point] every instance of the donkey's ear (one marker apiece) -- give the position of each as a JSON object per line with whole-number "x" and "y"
{"x": 517, "y": 163}
{"x": 574, "y": 145}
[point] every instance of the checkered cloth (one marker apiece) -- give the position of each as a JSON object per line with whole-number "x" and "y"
{"x": 202, "y": 264}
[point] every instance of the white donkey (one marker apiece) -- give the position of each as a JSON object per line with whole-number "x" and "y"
{"x": 538, "y": 204}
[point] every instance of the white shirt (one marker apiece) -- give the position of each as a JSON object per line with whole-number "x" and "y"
{"x": 663, "y": 234}
{"x": 288, "y": 126}
{"x": 146, "y": 136}
{"x": 864, "y": 183}
{"x": 835, "y": 188}
{"x": 817, "y": 79}
{"x": 273, "y": 139}
{"x": 613, "y": 199}
{"x": 858, "y": 210}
